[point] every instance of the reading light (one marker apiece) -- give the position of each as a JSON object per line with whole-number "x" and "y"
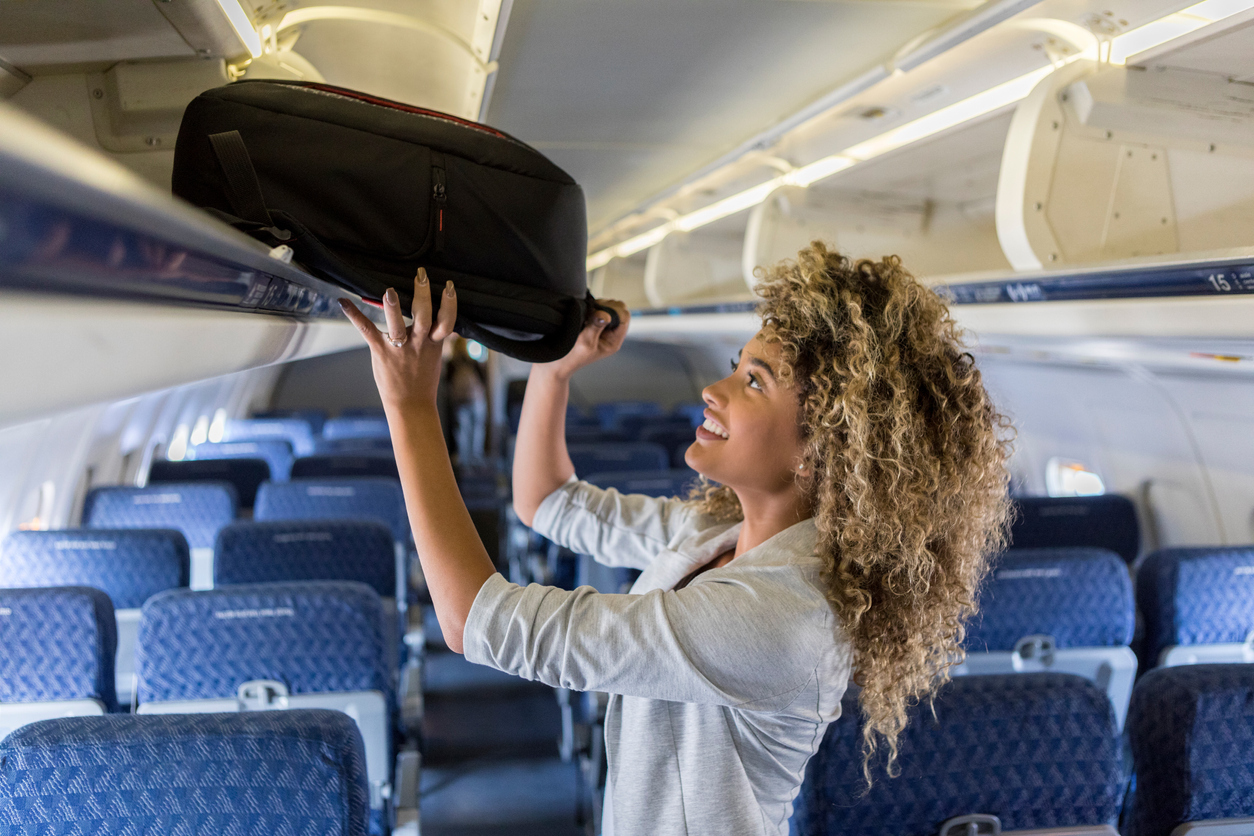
{"x": 1129, "y": 43}
{"x": 242, "y": 25}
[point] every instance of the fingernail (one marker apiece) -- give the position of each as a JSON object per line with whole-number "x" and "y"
{"x": 448, "y": 289}
{"x": 601, "y": 320}
{"x": 391, "y": 296}
{"x": 343, "y": 303}
{"x": 422, "y": 275}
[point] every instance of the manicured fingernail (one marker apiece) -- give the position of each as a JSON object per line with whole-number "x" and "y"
{"x": 601, "y": 320}
{"x": 422, "y": 275}
{"x": 391, "y": 296}
{"x": 343, "y": 304}
{"x": 448, "y": 289}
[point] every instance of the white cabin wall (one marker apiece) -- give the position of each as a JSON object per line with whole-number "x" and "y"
{"x": 107, "y": 444}
{"x": 333, "y": 382}
{"x": 1177, "y": 445}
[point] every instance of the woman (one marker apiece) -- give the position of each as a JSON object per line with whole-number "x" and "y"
{"x": 861, "y": 490}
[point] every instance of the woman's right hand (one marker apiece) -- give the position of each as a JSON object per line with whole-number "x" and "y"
{"x": 595, "y": 341}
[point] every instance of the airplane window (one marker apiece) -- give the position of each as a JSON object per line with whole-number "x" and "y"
{"x": 200, "y": 432}
{"x": 178, "y": 445}
{"x": 1070, "y": 478}
{"x": 217, "y": 427}
{"x": 40, "y": 505}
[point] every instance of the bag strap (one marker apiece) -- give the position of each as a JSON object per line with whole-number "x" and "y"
{"x": 243, "y": 187}
{"x": 593, "y": 303}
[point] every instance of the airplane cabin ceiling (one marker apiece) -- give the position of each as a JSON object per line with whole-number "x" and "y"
{"x": 631, "y": 97}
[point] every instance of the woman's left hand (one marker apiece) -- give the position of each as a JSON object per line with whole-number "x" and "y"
{"x": 406, "y": 361}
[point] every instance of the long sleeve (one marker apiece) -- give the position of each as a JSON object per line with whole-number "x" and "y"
{"x": 745, "y": 640}
{"x": 616, "y": 529}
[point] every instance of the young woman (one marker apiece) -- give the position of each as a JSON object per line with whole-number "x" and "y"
{"x": 855, "y": 491}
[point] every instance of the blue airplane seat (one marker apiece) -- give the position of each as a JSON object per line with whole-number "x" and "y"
{"x": 1197, "y": 604}
{"x": 669, "y": 434}
{"x": 296, "y": 431}
{"x": 674, "y": 482}
{"x": 244, "y": 475}
{"x": 307, "y": 550}
{"x": 610, "y": 414}
{"x": 129, "y": 566}
{"x": 274, "y": 647}
{"x": 315, "y": 418}
{"x": 596, "y": 435}
{"x": 197, "y": 509}
{"x": 1192, "y": 734}
{"x": 277, "y": 453}
{"x": 372, "y": 498}
{"x": 1037, "y": 751}
{"x": 1105, "y": 522}
{"x": 598, "y": 458}
{"x": 353, "y": 446}
{"x": 359, "y": 463}
{"x": 1061, "y": 610}
{"x": 252, "y": 774}
{"x": 693, "y": 413}
{"x": 57, "y": 651}
{"x": 366, "y": 426}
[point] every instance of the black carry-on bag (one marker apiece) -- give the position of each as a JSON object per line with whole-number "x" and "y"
{"x": 365, "y": 191}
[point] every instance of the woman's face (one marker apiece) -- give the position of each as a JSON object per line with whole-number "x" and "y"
{"x": 750, "y": 440}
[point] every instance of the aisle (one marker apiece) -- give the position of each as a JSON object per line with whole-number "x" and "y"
{"x": 491, "y": 767}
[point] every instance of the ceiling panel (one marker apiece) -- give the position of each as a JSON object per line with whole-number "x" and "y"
{"x": 630, "y": 97}
{"x": 36, "y": 33}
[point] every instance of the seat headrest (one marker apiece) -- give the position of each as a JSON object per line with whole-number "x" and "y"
{"x": 297, "y": 771}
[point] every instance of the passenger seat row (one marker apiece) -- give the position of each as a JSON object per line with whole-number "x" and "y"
{"x": 1040, "y": 753}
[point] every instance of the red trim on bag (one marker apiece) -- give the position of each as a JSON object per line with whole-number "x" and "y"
{"x": 441, "y": 220}
{"x": 375, "y": 100}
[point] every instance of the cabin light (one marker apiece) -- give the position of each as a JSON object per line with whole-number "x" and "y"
{"x": 217, "y": 427}
{"x": 1137, "y": 40}
{"x": 1173, "y": 26}
{"x": 177, "y": 451}
{"x": 200, "y": 432}
{"x": 242, "y": 25}
{"x": 1070, "y": 478}
{"x": 475, "y": 350}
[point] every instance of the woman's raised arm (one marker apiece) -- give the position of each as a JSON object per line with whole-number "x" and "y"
{"x": 541, "y": 463}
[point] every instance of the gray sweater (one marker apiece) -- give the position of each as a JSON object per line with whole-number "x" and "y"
{"x": 721, "y": 691}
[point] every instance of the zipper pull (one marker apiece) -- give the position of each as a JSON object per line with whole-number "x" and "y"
{"x": 440, "y": 196}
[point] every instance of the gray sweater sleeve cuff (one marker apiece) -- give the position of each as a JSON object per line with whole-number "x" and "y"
{"x": 476, "y": 643}
{"x": 553, "y": 508}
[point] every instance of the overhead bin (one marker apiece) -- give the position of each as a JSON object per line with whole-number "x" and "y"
{"x": 689, "y": 268}
{"x": 111, "y": 287}
{"x": 1106, "y": 162}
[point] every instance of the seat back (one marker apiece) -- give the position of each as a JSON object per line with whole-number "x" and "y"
{"x": 675, "y": 482}
{"x": 1036, "y": 750}
{"x": 1198, "y": 605}
{"x": 669, "y": 434}
{"x": 354, "y": 447}
{"x": 277, "y": 453}
{"x": 244, "y": 475}
{"x": 315, "y": 418}
{"x": 630, "y": 455}
{"x": 380, "y": 464}
{"x": 253, "y": 774}
{"x": 1192, "y": 735}
{"x": 198, "y": 510}
{"x": 611, "y": 414}
{"x": 376, "y": 498}
{"x": 307, "y": 550}
{"x": 272, "y": 646}
{"x": 1064, "y": 610}
{"x": 296, "y": 431}
{"x": 57, "y": 646}
{"x": 358, "y": 427}
{"x": 128, "y": 565}
{"x": 1104, "y": 522}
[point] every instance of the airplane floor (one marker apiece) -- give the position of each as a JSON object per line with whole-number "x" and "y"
{"x": 491, "y": 766}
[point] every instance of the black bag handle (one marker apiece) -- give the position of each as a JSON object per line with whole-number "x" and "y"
{"x": 243, "y": 187}
{"x": 593, "y": 303}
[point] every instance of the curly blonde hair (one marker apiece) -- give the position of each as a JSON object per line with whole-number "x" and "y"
{"x": 908, "y": 460}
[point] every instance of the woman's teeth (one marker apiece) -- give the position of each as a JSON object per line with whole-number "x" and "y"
{"x": 710, "y": 426}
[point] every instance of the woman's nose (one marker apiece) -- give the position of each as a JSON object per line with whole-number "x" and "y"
{"x": 712, "y": 396}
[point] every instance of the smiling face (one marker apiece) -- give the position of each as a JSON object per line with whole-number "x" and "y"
{"x": 750, "y": 440}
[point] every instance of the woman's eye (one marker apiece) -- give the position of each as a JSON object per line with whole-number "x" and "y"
{"x": 755, "y": 382}
{"x": 734, "y": 365}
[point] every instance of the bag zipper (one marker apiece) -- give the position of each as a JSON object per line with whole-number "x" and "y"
{"x": 388, "y": 103}
{"x": 439, "y": 195}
